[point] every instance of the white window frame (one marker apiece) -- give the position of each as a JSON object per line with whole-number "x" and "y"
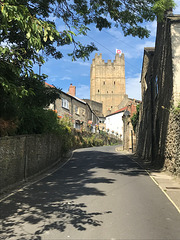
{"x": 76, "y": 110}
{"x": 65, "y": 103}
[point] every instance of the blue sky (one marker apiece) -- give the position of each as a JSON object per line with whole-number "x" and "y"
{"x": 63, "y": 72}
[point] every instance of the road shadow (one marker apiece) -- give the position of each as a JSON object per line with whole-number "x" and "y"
{"x": 52, "y": 203}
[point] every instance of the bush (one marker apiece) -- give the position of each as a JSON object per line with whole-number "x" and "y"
{"x": 38, "y": 121}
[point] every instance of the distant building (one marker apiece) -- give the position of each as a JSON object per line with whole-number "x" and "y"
{"x": 97, "y": 109}
{"x": 118, "y": 125}
{"x": 108, "y": 82}
{"x": 114, "y": 123}
{"x": 77, "y": 110}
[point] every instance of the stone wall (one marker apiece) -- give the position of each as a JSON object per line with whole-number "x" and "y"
{"x": 24, "y": 156}
{"x": 158, "y": 133}
{"x": 129, "y": 137}
{"x": 95, "y": 106}
{"x": 172, "y": 152}
{"x": 144, "y": 128}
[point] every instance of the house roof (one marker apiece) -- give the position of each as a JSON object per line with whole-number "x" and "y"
{"x": 149, "y": 49}
{"x": 78, "y": 99}
{"x": 118, "y": 111}
{"x": 174, "y": 17}
{"x": 49, "y": 85}
{"x": 136, "y": 100}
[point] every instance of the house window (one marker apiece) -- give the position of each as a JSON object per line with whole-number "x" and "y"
{"x": 107, "y": 91}
{"x": 65, "y": 103}
{"x": 77, "y": 124}
{"x": 104, "y": 82}
{"x": 114, "y": 82}
{"x": 83, "y": 112}
{"x": 98, "y": 90}
{"x": 76, "y": 110}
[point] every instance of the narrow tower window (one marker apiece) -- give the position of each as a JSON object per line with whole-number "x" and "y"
{"x": 104, "y": 82}
{"x": 98, "y": 90}
{"x": 114, "y": 82}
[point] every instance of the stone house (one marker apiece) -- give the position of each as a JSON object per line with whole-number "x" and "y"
{"x": 129, "y": 136}
{"x": 76, "y": 109}
{"x": 97, "y": 109}
{"x": 158, "y": 138}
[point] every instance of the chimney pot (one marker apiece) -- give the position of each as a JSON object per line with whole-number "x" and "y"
{"x": 72, "y": 90}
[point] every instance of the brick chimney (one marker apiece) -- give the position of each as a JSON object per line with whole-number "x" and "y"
{"x": 72, "y": 90}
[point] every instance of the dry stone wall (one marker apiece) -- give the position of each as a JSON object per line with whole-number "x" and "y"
{"x": 172, "y": 153}
{"x": 23, "y": 156}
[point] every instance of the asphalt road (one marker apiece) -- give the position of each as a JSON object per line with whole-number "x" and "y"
{"x": 98, "y": 194}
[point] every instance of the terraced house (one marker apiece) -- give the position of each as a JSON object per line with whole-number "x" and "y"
{"x": 76, "y": 109}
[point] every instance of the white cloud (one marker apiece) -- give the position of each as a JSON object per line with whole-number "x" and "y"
{"x": 133, "y": 87}
{"x": 83, "y": 91}
{"x": 65, "y": 78}
{"x": 140, "y": 47}
{"x": 85, "y": 74}
{"x": 115, "y": 33}
{"x": 52, "y": 79}
{"x": 87, "y": 64}
{"x": 79, "y": 62}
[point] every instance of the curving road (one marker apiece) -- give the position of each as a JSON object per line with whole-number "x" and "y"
{"x": 98, "y": 194}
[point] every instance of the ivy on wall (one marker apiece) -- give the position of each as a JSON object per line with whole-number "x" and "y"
{"x": 135, "y": 118}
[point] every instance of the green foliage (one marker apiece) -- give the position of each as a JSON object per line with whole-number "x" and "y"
{"x": 25, "y": 28}
{"x": 161, "y": 6}
{"x": 37, "y": 121}
{"x": 135, "y": 118}
{"x": 27, "y": 110}
{"x": 177, "y": 109}
{"x": 173, "y": 109}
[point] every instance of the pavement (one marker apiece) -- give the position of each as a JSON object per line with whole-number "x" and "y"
{"x": 168, "y": 183}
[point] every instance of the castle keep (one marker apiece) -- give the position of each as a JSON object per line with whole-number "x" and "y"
{"x": 108, "y": 82}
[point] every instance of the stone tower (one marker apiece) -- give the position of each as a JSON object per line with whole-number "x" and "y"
{"x": 108, "y": 82}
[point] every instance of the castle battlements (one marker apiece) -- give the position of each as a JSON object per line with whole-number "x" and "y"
{"x": 119, "y": 59}
{"x": 108, "y": 82}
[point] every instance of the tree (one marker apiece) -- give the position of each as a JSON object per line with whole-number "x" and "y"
{"x": 26, "y": 24}
{"x": 25, "y": 29}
